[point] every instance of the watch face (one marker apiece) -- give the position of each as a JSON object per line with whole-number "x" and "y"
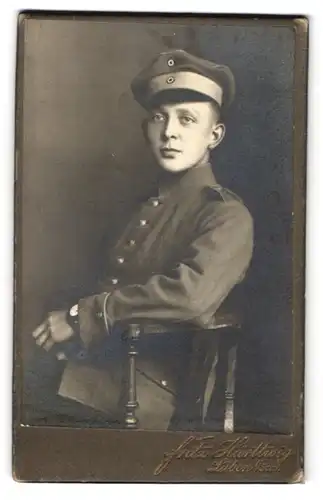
{"x": 74, "y": 310}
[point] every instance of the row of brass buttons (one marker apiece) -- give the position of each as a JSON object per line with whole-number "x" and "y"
{"x": 131, "y": 243}
{"x": 120, "y": 259}
{"x": 143, "y": 223}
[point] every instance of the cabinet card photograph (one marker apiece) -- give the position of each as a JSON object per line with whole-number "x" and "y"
{"x": 159, "y": 252}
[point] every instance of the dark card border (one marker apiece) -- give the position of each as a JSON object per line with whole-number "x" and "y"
{"x": 53, "y": 454}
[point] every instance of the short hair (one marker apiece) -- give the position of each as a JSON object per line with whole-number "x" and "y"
{"x": 217, "y": 111}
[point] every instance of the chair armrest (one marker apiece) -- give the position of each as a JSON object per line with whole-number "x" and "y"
{"x": 223, "y": 320}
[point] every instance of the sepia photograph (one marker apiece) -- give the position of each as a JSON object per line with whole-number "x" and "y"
{"x": 160, "y": 205}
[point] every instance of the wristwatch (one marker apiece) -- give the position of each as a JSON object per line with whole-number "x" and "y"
{"x": 74, "y": 348}
{"x": 72, "y": 317}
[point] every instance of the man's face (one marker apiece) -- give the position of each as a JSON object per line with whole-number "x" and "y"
{"x": 181, "y": 135}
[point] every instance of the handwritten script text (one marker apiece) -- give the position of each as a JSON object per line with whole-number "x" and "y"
{"x": 235, "y": 455}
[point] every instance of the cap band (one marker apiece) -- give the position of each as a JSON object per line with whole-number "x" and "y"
{"x": 186, "y": 80}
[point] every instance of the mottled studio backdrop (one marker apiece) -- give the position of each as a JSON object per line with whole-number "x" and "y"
{"x": 85, "y": 162}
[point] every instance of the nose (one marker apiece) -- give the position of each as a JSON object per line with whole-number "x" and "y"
{"x": 170, "y": 130}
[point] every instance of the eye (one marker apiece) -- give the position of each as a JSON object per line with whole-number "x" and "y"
{"x": 186, "y": 120}
{"x": 157, "y": 117}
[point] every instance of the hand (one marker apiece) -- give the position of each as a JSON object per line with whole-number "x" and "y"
{"x": 54, "y": 330}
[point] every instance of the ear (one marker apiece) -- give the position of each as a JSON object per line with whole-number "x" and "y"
{"x": 218, "y": 132}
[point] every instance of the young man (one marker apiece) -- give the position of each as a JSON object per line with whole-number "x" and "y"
{"x": 177, "y": 260}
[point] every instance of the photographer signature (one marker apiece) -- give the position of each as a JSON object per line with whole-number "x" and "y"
{"x": 233, "y": 455}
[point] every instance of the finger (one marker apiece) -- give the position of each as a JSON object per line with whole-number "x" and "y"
{"x": 48, "y": 344}
{"x": 61, "y": 356}
{"x": 42, "y": 338}
{"x": 39, "y": 330}
{"x": 52, "y": 319}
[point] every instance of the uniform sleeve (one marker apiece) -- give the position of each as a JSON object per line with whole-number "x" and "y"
{"x": 216, "y": 259}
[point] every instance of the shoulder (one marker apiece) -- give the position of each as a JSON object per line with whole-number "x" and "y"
{"x": 220, "y": 202}
{"x": 218, "y": 192}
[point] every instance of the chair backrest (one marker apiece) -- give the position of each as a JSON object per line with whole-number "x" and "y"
{"x": 207, "y": 344}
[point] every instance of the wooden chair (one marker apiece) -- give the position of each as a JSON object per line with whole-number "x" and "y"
{"x": 215, "y": 358}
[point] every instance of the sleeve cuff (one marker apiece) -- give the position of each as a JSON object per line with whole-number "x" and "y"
{"x": 92, "y": 319}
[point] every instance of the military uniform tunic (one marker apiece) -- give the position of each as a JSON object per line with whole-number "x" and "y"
{"x": 177, "y": 261}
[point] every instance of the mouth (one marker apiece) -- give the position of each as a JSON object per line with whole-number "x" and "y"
{"x": 169, "y": 152}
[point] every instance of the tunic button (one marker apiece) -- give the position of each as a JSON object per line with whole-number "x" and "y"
{"x": 131, "y": 243}
{"x": 164, "y": 383}
{"x": 61, "y": 356}
{"x": 114, "y": 281}
{"x": 120, "y": 260}
{"x": 143, "y": 222}
{"x": 155, "y": 203}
